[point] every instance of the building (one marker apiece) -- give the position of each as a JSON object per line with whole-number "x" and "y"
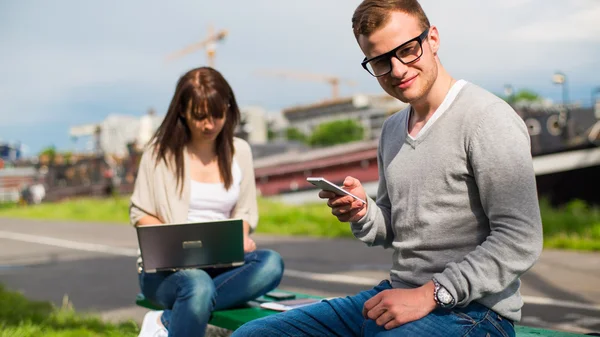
{"x": 566, "y": 159}
{"x": 253, "y": 125}
{"x": 113, "y": 134}
{"x": 116, "y": 132}
{"x": 147, "y": 127}
{"x": 10, "y": 152}
{"x": 370, "y": 110}
{"x": 284, "y": 175}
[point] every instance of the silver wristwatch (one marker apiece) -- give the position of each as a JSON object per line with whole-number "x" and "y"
{"x": 442, "y": 296}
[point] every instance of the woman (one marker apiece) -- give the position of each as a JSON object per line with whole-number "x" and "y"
{"x": 195, "y": 170}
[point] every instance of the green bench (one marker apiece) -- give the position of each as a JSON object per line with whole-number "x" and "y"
{"x": 230, "y": 319}
{"x": 234, "y": 318}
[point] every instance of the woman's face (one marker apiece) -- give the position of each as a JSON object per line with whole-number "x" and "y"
{"x": 205, "y": 129}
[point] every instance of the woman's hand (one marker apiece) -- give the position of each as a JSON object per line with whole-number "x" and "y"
{"x": 249, "y": 244}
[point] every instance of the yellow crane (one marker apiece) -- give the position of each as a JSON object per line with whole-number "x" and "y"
{"x": 209, "y": 43}
{"x": 333, "y": 81}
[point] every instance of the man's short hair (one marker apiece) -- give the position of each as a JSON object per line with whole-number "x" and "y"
{"x": 372, "y": 15}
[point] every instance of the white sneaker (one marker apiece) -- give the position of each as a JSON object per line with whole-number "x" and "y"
{"x": 151, "y": 325}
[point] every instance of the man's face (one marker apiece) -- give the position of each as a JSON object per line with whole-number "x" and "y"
{"x": 409, "y": 83}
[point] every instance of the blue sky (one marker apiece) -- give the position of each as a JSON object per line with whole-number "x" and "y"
{"x": 69, "y": 62}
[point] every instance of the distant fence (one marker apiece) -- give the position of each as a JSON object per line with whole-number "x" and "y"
{"x": 12, "y": 180}
{"x": 93, "y": 190}
{"x": 9, "y": 195}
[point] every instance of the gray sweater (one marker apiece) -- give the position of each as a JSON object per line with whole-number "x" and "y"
{"x": 459, "y": 203}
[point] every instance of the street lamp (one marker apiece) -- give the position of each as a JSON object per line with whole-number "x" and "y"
{"x": 594, "y": 92}
{"x": 563, "y": 116}
{"x": 509, "y": 92}
{"x": 596, "y": 102}
{"x": 561, "y": 79}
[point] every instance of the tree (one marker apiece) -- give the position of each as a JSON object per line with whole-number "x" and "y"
{"x": 526, "y": 96}
{"x": 295, "y": 134}
{"x": 523, "y": 95}
{"x": 271, "y": 134}
{"x": 68, "y": 157}
{"x": 48, "y": 153}
{"x": 337, "y": 132}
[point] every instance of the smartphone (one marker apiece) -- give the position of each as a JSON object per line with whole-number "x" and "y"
{"x": 280, "y": 295}
{"x": 327, "y": 185}
{"x": 289, "y": 304}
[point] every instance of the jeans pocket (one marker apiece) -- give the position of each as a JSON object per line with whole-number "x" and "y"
{"x": 505, "y": 327}
{"x": 463, "y": 317}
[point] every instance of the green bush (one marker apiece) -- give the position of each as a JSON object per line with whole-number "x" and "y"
{"x": 336, "y": 132}
{"x": 574, "y": 226}
{"x": 293, "y": 134}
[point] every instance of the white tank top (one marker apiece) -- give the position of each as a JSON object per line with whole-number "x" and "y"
{"x": 211, "y": 201}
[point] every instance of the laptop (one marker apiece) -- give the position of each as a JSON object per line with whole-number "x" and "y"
{"x": 211, "y": 244}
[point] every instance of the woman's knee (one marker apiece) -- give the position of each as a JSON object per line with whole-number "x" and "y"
{"x": 271, "y": 263}
{"x": 195, "y": 284}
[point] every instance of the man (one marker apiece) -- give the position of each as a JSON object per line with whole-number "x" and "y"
{"x": 457, "y": 199}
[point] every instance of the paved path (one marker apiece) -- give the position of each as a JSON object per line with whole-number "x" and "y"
{"x": 93, "y": 265}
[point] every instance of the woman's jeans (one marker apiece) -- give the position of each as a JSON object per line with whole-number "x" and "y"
{"x": 189, "y": 296}
{"x": 343, "y": 317}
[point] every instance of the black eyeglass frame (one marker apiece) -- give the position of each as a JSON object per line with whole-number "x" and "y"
{"x": 392, "y": 53}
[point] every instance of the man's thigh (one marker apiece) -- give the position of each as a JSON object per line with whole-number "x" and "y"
{"x": 473, "y": 321}
{"x": 336, "y": 317}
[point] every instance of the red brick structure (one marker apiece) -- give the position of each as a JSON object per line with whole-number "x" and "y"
{"x": 288, "y": 172}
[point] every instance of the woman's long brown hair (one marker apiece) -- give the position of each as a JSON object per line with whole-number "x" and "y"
{"x": 204, "y": 92}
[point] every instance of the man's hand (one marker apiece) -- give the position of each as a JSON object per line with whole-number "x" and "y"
{"x": 346, "y": 208}
{"x": 249, "y": 244}
{"x": 394, "y": 307}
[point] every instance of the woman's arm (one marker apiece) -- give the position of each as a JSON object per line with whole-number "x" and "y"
{"x": 142, "y": 208}
{"x": 246, "y": 207}
{"x": 148, "y": 220}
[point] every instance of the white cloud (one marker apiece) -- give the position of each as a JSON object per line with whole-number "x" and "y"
{"x": 40, "y": 79}
{"x": 57, "y": 53}
{"x": 581, "y": 25}
{"x": 513, "y": 4}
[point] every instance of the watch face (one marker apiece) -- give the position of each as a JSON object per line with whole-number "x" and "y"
{"x": 444, "y": 296}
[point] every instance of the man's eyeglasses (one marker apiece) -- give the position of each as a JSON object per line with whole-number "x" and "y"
{"x": 407, "y": 53}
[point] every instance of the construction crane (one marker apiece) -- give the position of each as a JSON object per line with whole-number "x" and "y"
{"x": 332, "y": 80}
{"x": 209, "y": 43}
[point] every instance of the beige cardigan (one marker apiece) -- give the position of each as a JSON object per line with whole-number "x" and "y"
{"x": 156, "y": 192}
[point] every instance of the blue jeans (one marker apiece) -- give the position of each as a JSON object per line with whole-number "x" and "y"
{"x": 343, "y": 317}
{"x": 191, "y": 295}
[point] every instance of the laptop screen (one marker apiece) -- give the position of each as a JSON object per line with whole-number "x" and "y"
{"x": 192, "y": 245}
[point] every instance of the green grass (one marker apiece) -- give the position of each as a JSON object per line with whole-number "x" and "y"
{"x": 24, "y": 318}
{"x": 310, "y": 220}
{"x": 574, "y": 226}
{"x": 108, "y": 210}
